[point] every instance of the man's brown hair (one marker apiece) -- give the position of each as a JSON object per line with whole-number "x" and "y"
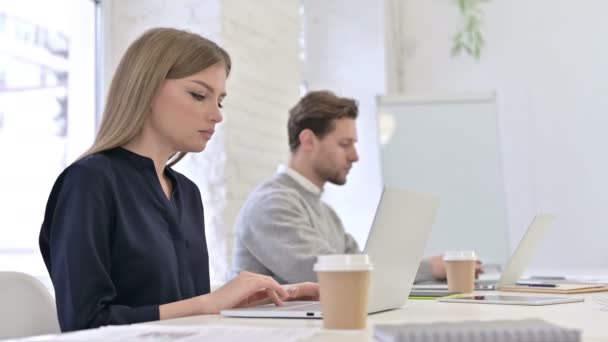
{"x": 318, "y": 111}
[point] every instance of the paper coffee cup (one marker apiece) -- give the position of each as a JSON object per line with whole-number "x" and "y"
{"x": 460, "y": 270}
{"x": 344, "y": 281}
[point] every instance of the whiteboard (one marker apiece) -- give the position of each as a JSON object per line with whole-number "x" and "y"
{"x": 449, "y": 146}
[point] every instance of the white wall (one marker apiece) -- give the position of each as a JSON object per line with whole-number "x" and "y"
{"x": 345, "y": 54}
{"x": 263, "y": 43}
{"x": 252, "y": 141}
{"x": 547, "y": 63}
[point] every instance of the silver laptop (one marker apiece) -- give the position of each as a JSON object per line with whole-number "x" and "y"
{"x": 395, "y": 245}
{"x": 517, "y": 263}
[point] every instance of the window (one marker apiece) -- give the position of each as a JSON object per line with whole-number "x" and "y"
{"x": 2, "y": 23}
{"x": 47, "y": 113}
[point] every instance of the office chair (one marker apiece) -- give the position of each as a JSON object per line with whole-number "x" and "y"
{"x": 26, "y": 307}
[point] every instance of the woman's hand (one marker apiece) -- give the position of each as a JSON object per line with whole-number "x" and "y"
{"x": 301, "y": 291}
{"x": 245, "y": 289}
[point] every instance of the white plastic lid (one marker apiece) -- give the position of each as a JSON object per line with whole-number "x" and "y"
{"x": 343, "y": 263}
{"x": 459, "y": 255}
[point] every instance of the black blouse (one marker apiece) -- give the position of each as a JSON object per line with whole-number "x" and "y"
{"x": 116, "y": 247}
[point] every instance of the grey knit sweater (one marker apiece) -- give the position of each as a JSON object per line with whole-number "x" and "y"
{"x": 283, "y": 226}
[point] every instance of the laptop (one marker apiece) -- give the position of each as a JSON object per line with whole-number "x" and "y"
{"x": 400, "y": 230}
{"x": 515, "y": 266}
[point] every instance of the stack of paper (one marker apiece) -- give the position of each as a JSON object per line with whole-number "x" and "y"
{"x": 148, "y": 333}
{"x": 557, "y": 288}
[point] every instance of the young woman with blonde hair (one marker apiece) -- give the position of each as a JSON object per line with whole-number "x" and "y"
{"x": 123, "y": 234}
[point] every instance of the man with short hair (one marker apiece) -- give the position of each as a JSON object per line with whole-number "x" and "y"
{"x": 283, "y": 225}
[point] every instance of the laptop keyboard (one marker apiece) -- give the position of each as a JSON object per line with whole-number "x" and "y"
{"x": 299, "y": 306}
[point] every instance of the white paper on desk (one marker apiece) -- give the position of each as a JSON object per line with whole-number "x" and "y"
{"x": 163, "y": 333}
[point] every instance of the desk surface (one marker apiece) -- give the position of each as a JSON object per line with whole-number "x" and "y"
{"x": 586, "y": 315}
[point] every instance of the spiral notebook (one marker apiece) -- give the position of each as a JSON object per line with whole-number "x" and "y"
{"x": 557, "y": 288}
{"x": 528, "y": 330}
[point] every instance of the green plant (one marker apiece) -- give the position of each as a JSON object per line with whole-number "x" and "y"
{"x": 469, "y": 38}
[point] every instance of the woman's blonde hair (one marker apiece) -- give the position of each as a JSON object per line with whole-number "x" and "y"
{"x": 159, "y": 54}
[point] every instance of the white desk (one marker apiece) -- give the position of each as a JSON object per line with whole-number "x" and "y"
{"x": 586, "y": 316}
